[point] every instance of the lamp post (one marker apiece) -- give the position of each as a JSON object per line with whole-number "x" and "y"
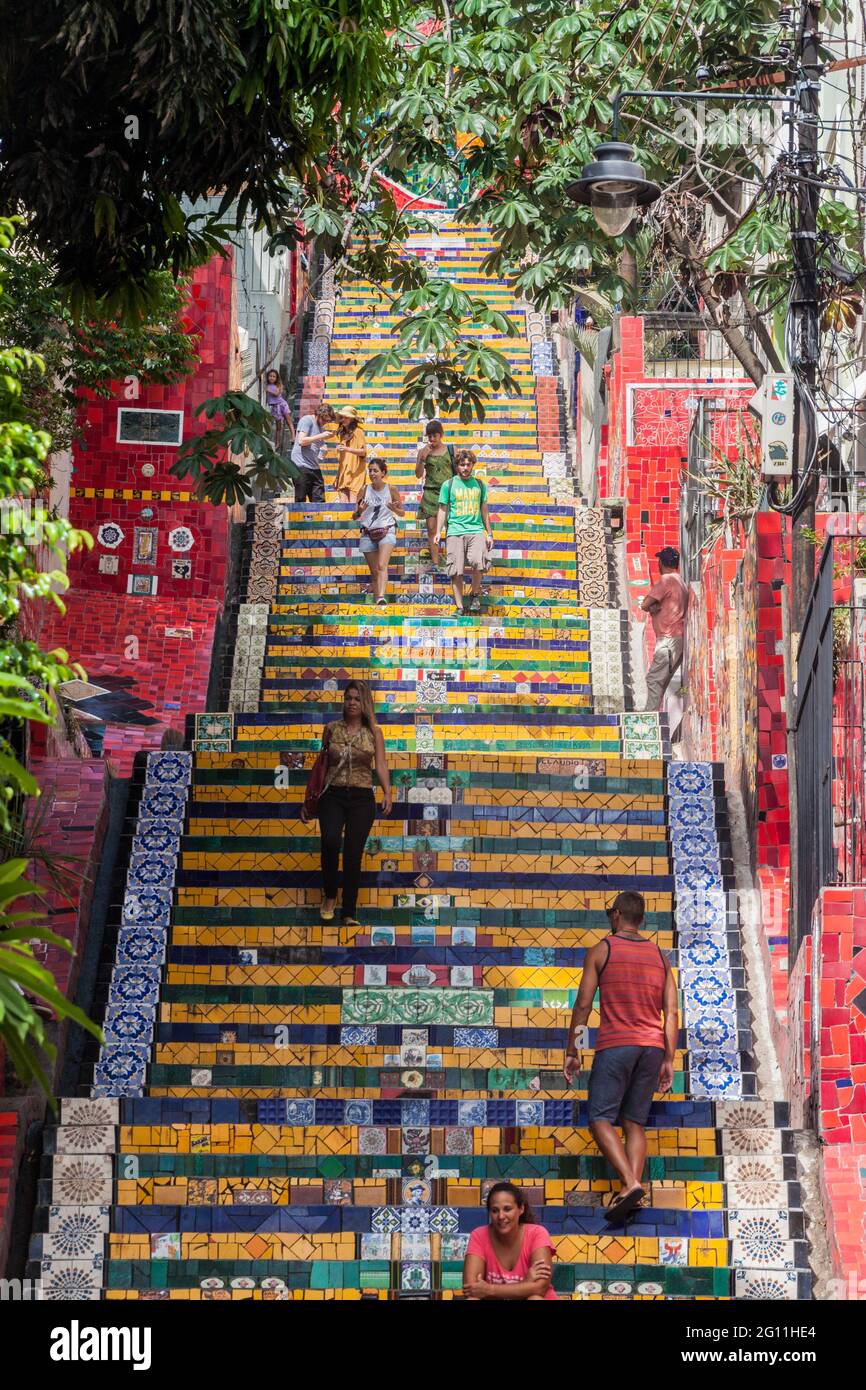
{"x": 613, "y": 185}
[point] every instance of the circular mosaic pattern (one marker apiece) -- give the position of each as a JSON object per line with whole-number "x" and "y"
{"x": 77, "y": 1234}
{"x": 712, "y": 1030}
{"x": 71, "y": 1284}
{"x": 80, "y": 1182}
{"x": 181, "y": 539}
{"x": 110, "y": 535}
{"x": 764, "y": 1286}
{"x": 87, "y": 1137}
{"x": 745, "y": 1141}
{"x": 761, "y": 1240}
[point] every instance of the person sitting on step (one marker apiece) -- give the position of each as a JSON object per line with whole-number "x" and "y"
{"x": 634, "y": 1052}
{"x": 377, "y": 510}
{"x": 435, "y": 465}
{"x": 347, "y": 806}
{"x": 469, "y": 541}
{"x": 512, "y": 1256}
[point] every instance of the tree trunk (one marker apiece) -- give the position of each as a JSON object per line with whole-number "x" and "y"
{"x": 703, "y": 282}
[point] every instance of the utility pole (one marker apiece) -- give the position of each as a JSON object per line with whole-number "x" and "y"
{"x": 804, "y": 299}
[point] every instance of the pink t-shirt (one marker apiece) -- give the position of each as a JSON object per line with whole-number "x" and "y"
{"x": 534, "y": 1238}
{"x": 672, "y": 597}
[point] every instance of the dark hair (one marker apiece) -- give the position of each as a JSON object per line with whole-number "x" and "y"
{"x": 272, "y": 371}
{"x": 324, "y": 414}
{"x": 630, "y": 906}
{"x": 365, "y": 695}
{"x": 433, "y": 427}
{"x": 527, "y": 1216}
{"x": 380, "y": 463}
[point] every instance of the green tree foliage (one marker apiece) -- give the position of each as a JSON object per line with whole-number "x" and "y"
{"x": 30, "y": 545}
{"x": 90, "y": 354}
{"x": 112, "y": 112}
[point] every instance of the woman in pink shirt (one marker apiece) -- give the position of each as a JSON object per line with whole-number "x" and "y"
{"x": 512, "y": 1257}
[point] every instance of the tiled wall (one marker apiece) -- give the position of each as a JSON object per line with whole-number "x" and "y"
{"x": 151, "y": 537}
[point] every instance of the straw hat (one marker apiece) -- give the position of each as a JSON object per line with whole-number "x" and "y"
{"x": 348, "y": 412}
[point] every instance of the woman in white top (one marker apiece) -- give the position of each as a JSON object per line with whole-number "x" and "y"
{"x": 378, "y": 507}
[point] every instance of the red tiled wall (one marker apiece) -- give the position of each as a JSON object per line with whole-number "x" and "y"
{"x": 159, "y": 650}
{"x": 773, "y": 567}
{"x": 547, "y": 408}
{"x": 73, "y": 791}
{"x": 104, "y": 470}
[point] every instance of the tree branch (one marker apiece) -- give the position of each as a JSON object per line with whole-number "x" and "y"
{"x": 703, "y": 281}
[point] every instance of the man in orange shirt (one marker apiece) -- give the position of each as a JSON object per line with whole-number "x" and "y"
{"x": 666, "y": 604}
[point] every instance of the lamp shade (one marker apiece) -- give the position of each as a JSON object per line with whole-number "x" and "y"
{"x": 613, "y": 185}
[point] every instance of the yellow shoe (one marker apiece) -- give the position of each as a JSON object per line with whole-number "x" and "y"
{"x": 325, "y": 915}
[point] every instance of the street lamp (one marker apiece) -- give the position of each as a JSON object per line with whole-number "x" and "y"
{"x": 614, "y": 187}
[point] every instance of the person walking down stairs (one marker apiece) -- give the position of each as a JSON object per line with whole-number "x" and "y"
{"x": 464, "y": 513}
{"x": 351, "y": 454}
{"x": 377, "y": 510}
{"x": 634, "y": 1053}
{"x": 314, "y": 433}
{"x": 434, "y": 466}
{"x": 347, "y": 805}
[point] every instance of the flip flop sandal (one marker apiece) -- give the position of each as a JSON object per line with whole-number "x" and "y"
{"x": 623, "y": 1206}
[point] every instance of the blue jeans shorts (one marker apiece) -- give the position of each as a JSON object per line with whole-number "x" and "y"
{"x": 368, "y": 546}
{"x": 622, "y": 1083}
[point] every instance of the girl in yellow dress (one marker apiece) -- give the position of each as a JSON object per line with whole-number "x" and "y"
{"x": 351, "y": 454}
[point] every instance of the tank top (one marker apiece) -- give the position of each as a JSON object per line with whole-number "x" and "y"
{"x": 377, "y": 514}
{"x": 351, "y": 756}
{"x": 631, "y": 989}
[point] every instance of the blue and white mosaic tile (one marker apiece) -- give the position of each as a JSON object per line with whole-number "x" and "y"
{"x": 689, "y": 779}
{"x": 141, "y": 943}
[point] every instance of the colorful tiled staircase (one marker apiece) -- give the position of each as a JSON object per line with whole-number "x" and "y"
{"x": 286, "y": 1109}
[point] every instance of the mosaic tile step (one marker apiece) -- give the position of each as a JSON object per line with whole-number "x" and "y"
{"x": 289, "y": 1109}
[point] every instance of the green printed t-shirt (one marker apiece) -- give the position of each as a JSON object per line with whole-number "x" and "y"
{"x": 464, "y": 502}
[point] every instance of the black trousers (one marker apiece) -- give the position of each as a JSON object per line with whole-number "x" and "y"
{"x": 350, "y": 811}
{"x": 310, "y": 486}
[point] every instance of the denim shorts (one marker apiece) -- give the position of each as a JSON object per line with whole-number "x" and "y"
{"x": 368, "y": 546}
{"x": 622, "y": 1083}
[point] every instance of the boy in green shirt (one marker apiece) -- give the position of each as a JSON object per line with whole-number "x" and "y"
{"x": 463, "y": 504}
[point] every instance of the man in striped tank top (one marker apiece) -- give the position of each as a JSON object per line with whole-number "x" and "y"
{"x": 635, "y": 1044}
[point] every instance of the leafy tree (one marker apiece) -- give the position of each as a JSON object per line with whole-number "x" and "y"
{"x": 508, "y": 101}
{"x": 28, "y": 539}
{"x": 91, "y": 354}
{"x": 113, "y": 112}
